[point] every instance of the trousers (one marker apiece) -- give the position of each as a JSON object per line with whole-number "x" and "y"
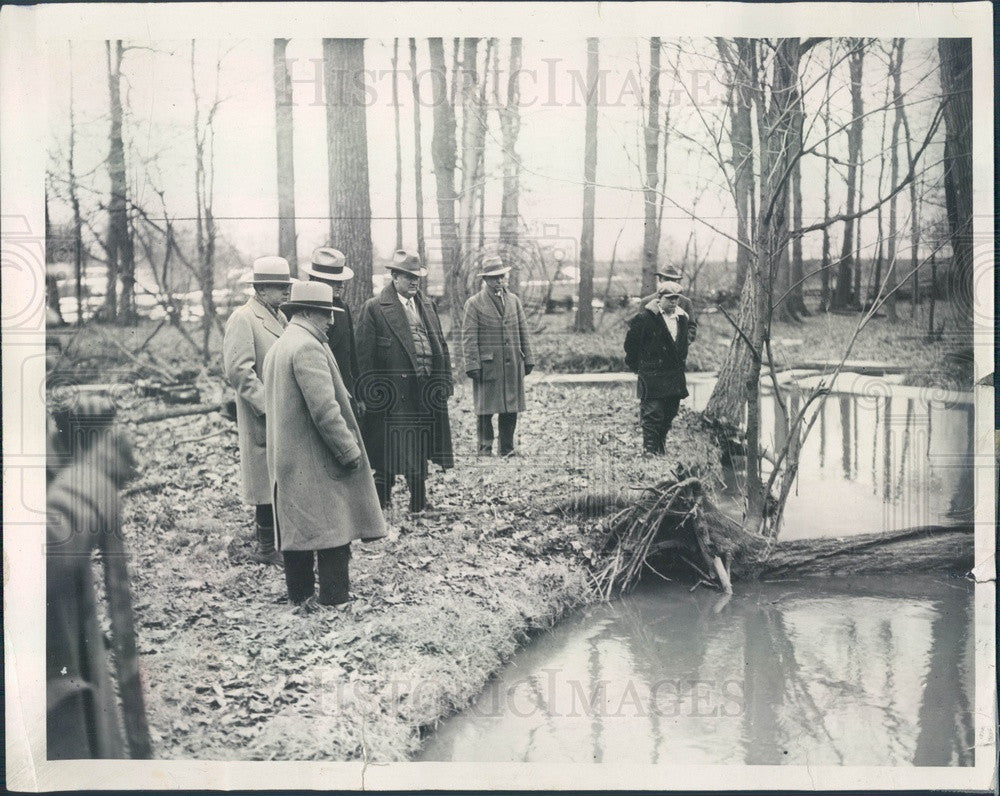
{"x": 656, "y": 415}
{"x": 265, "y": 527}
{"x": 416, "y": 482}
{"x": 334, "y": 576}
{"x": 507, "y": 422}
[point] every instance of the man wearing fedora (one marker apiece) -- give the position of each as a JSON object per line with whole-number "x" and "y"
{"x": 405, "y": 382}
{"x": 671, "y": 273}
{"x": 330, "y": 267}
{"x": 250, "y": 332}
{"x": 656, "y": 347}
{"x": 321, "y": 481}
{"x": 497, "y": 355}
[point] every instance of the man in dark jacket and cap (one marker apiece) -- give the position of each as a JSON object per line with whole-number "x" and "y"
{"x": 656, "y": 348}
{"x": 330, "y": 266}
{"x": 405, "y": 382}
{"x": 671, "y": 273}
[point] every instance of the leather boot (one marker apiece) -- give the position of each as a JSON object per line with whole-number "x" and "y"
{"x": 334, "y": 575}
{"x": 265, "y": 553}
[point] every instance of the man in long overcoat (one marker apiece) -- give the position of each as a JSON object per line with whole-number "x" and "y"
{"x": 497, "y": 356}
{"x": 323, "y": 493}
{"x": 656, "y": 347}
{"x": 330, "y": 266}
{"x": 671, "y": 273}
{"x": 250, "y": 332}
{"x": 405, "y": 382}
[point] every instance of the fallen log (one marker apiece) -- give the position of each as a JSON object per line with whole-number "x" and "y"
{"x": 928, "y": 549}
{"x": 182, "y": 411}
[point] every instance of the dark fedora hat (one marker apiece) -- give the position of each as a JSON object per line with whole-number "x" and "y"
{"x": 310, "y": 296}
{"x": 328, "y": 264}
{"x": 407, "y": 262}
{"x": 671, "y": 272}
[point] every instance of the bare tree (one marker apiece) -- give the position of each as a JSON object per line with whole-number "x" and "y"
{"x": 895, "y": 69}
{"x": 510, "y": 126}
{"x": 204, "y": 158}
{"x": 844, "y": 296}
{"x": 585, "y": 309}
{"x": 651, "y": 130}
{"x": 956, "y": 81}
{"x": 284, "y": 140}
{"x": 347, "y": 154}
{"x": 825, "y": 264}
{"x": 399, "y": 150}
{"x": 443, "y": 153}
{"x": 121, "y": 253}
{"x": 473, "y": 143}
{"x": 418, "y": 155}
{"x": 74, "y": 199}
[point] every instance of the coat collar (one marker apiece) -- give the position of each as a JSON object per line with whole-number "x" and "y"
{"x": 273, "y": 321}
{"x": 309, "y": 327}
{"x": 491, "y": 299}
{"x": 395, "y": 318}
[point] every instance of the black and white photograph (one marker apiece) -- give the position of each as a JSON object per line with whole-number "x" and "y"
{"x": 489, "y": 395}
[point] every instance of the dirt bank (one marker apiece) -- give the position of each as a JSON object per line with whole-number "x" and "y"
{"x": 232, "y": 672}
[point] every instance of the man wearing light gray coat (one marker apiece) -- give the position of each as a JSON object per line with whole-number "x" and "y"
{"x": 250, "y": 331}
{"x": 321, "y": 480}
{"x": 497, "y": 356}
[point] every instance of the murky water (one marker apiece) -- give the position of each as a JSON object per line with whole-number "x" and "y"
{"x": 850, "y": 672}
{"x": 861, "y": 671}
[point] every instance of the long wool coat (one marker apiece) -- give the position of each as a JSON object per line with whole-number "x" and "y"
{"x": 340, "y": 336}
{"x": 406, "y": 423}
{"x": 498, "y": 347}
{"x": 250, "y": 332}
{"x": 651, "y": 352}
{"x": 311, "y": 434}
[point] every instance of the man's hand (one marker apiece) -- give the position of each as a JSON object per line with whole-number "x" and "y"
{"x": 528, "y": 369}
{"x": 353, "y": 464}
{"x": 475, "y": 375}
{"x": 361, "y": 408}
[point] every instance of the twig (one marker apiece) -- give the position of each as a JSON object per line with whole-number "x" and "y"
{"x": 216, "y": 433}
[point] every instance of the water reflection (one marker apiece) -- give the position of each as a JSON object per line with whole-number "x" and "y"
{"x": 856, "y": 671}
{"x": 874, "y": 463}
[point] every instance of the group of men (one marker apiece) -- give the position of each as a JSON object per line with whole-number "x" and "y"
{"x": 330, "y": 412}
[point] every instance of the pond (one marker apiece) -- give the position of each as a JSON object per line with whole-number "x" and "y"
{"x": 858, "y": 671}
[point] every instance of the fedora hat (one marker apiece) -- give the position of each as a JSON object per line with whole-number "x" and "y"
{"x": 407, "y": 262}
{"x": 270, "y": 270}
{"x": 671, "y": 272}
{"x": 670, "y": 289}
{"x": 328, "y": 264}
{"x": 492, "y": 265}
{"x": 310, "y": 296}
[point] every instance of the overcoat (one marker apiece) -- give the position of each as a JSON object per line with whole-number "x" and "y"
{"x": 394, "y": 398}
{"x": 250, "y": 332}
{"x": 340, "y": 336}
{"x": 311, "y": 434}
{"x": 651, "y": 352}
{"x": 496, "y": 345}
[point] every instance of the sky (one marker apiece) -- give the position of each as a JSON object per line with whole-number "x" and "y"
{"x": 158, "y": 82}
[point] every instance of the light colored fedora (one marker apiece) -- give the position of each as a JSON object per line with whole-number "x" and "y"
{"x": 671, "y": 272}
{"x": 670, "y": 289}
{"x": 492, "y": 265}
{"x": 407, "y": 262}
{"x": 310, "y": 296}
{"x": 328, "y": 264}
{"x": 270, "y": 270}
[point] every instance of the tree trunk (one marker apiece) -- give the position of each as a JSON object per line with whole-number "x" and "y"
{"x": 117, "y": 223}
{"x": 283, "y": 105}
{"x": 651, "y": 232}
{"x": 347, "y": 157}
{"x": 895, "y": 68}
{"x": 510, "y": 126}
{"x": 796, "y": 299}
{"x": 844, "y": 296}
{"x": 204, "y": 175}
{"x": 824, "y": 303}
{"x": 443, "y": 152}
{"x": 956, "y": 81}
{"x": 74, "y": 200}
{"x": 473, "y": 142}
{"x": 418, "y": 154}
{"x": 585, "y": 308}
{"x": 399, "y": 149}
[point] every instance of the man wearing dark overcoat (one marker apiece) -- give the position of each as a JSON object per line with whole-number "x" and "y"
{"x": 656, "y": 347}
{"x": 671, "y": 273}
{"x": 405, "y": 382}
{"x": 497, "y": 356}
{"x": 330, "y": 266}
{"x": 321, "y": 480}
{"x": 250, "y": 332}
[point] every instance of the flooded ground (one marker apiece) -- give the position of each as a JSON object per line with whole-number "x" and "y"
{"x": 862, "y": 671}
{"x": 850, "y": 672}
